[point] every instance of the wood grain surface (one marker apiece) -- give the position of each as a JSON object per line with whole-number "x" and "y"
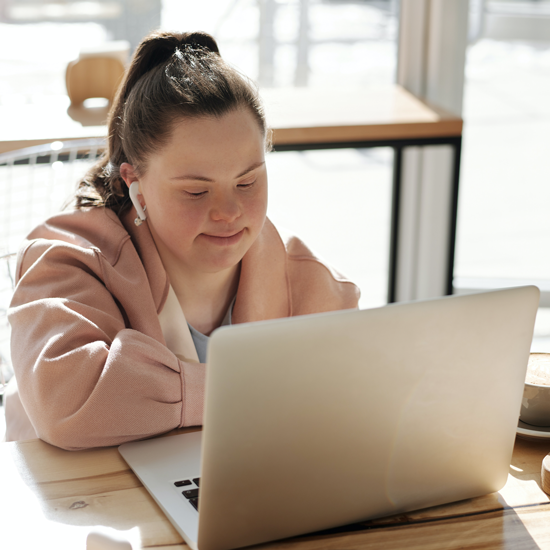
{"x": 51, "y": 494}
{"x": 296, "y": 115}
{"x": 302, "y": 115}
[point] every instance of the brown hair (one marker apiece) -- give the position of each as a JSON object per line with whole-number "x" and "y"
{"x": 172, "y": 75}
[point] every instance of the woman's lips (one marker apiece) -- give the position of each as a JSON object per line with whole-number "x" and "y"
{"x": 223, "y": 240}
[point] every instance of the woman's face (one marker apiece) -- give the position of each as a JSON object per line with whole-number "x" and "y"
{"x": 206, "y": 191}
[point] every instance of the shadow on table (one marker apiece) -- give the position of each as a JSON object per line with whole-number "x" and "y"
{"x": 490, "y": 523}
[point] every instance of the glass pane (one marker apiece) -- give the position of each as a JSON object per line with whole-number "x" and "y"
{"x": 504, "y": 226}
{"x": 338, "y": 202}
{"x": 34, "y": 71}
{"x": 299, "y": 42}
{"x": 313, "y": 42}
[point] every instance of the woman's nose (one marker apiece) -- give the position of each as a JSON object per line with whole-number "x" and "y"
{"x": 226, "y": 209}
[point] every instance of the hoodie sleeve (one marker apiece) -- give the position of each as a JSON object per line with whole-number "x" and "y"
{"x": 86, "y": 376}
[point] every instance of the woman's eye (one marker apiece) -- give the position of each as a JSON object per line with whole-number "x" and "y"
{"x": 246, "y": 184}
{"x": 195, "y": 194}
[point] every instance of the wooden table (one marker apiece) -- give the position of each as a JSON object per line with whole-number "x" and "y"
{"x": 301, "y": 119}
{"x": 55, "y": 496}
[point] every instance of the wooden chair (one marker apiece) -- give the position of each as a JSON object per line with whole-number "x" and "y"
{"x": 94, "y": 76}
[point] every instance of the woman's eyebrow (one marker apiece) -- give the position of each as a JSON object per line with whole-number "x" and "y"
{"x": 202, "y": 178}
{"x": 253, "y": 167}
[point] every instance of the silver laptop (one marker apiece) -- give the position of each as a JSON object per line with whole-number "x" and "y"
{"x": 323, "y": 420}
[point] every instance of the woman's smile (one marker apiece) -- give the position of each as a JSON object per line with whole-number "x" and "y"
{"x": 223, "y": 239}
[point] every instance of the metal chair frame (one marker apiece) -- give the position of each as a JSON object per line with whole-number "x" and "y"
{"x": 25, "y": 203}
{"x": 30, "y": 192}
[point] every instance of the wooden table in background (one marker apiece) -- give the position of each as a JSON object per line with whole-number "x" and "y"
{"x": 51, "y": 498}
{"x": 298, "y": 116}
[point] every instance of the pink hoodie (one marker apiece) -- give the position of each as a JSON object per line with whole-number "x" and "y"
{"x": 88, "y": 351}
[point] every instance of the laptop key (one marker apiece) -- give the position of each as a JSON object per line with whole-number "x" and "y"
{"x": 195, "y": 503}
{"x": 191, "y": 493}
{"x": 182, "y": 483}
{"x": 196, "y": 480}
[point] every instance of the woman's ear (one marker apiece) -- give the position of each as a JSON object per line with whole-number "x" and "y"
{"x": 127, "y": 173}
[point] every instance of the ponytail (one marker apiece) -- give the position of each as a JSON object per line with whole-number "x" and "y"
{"x": 171, "y": 75}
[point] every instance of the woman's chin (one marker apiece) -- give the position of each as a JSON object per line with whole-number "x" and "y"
{"x": 218, "y": 265}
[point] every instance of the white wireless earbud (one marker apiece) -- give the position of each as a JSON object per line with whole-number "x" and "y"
{"x": 134, "y": 191}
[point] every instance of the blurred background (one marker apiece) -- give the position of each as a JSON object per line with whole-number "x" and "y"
{"x": 503, "y": 232}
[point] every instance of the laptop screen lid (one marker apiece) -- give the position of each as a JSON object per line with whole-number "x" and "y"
{"x": 317, "y": 421}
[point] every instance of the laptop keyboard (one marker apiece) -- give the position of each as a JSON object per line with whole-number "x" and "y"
{"x": 191, "y": 491}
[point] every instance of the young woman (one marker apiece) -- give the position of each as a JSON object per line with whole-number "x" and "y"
{"x": 169, "y": 240}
